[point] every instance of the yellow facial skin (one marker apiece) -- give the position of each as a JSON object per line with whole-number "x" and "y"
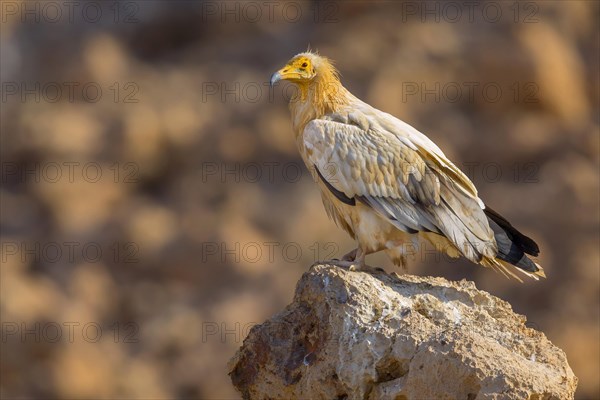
{"x": 299, "y": 70}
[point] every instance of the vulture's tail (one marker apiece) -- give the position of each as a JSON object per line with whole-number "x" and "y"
{"x": 513, "y": 248}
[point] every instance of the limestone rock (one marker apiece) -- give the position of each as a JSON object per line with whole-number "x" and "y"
{"x": 353, "y": 335}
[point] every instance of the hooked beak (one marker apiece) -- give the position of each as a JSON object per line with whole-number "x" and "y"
{"x": 276, "y": 77}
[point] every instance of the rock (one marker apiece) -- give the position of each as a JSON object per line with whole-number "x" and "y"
{"x": 353, "y": 335}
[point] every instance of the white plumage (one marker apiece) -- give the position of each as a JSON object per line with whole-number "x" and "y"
{"x": 386, "y": 183}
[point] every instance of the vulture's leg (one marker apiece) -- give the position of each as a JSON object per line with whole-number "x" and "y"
{"x": 354, "y": 261}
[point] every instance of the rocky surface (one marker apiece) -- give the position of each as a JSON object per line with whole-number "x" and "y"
{"x": 352, "y": 335}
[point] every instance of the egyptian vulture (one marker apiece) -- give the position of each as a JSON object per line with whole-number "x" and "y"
{"x": 387, "y": 184}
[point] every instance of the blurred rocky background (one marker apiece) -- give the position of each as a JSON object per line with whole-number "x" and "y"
{"x": 154, "y": 207}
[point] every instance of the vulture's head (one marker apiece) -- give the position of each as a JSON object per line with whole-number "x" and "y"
{"x": 305, "y": 68}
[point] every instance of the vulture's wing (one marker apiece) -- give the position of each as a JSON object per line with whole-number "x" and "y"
{"x": 402, "y": 175}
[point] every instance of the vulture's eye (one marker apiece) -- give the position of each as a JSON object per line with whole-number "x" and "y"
{"x": 304, "y": 65}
